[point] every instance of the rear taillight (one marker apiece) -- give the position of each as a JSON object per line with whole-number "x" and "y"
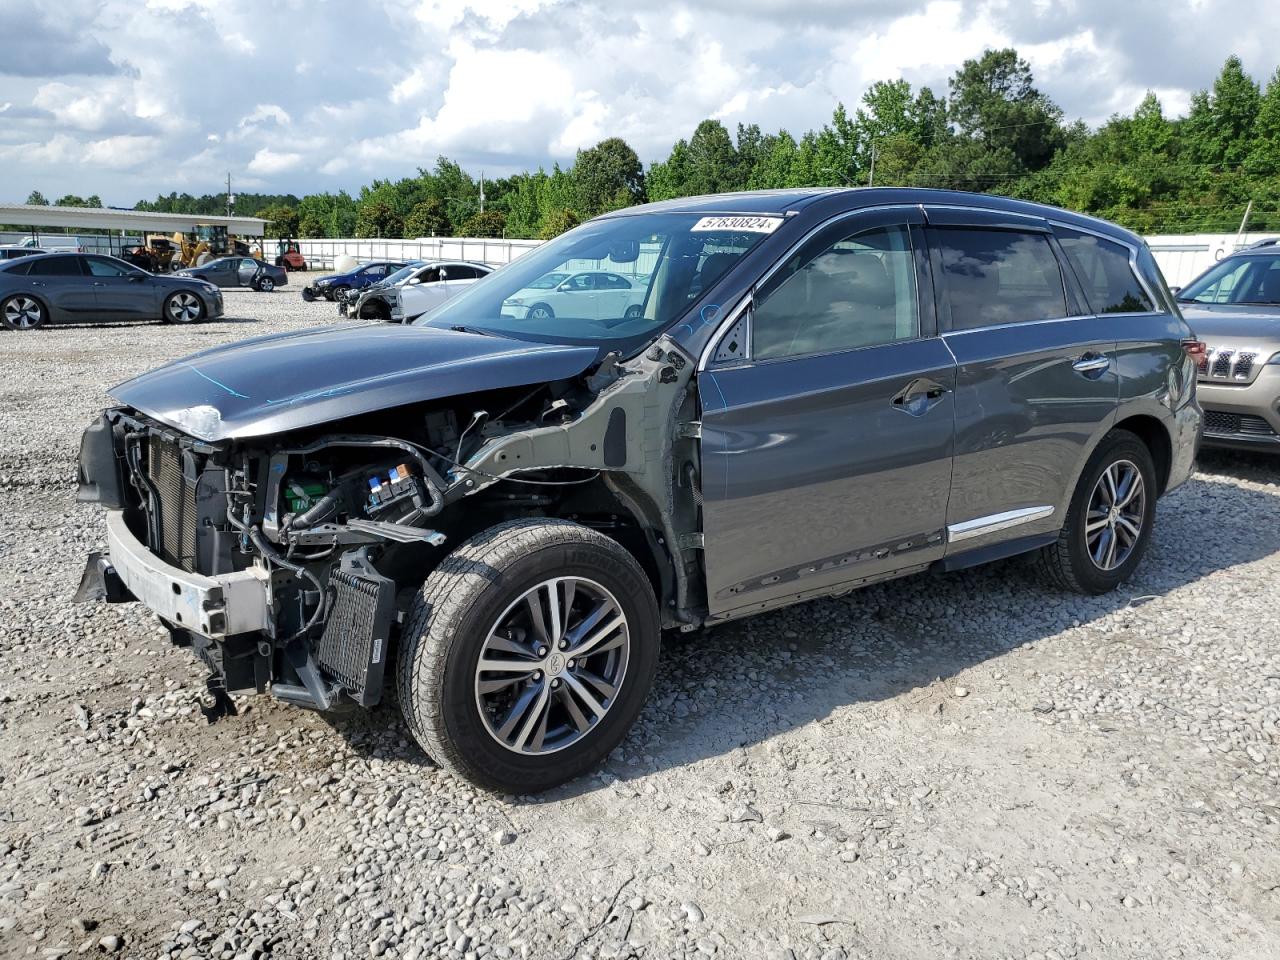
{"x": 1197, "y": 351}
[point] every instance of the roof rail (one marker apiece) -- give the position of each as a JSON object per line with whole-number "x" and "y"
{"x": 1269, "y": 242}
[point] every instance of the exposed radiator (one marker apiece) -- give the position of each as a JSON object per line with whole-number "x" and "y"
{"x": 354, "y": 646}
{"x": 177, "y": 503}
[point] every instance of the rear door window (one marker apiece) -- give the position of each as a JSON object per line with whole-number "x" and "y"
{"x": 999, "y": 276}
{"x": 56, "y": 267}
{"x": 1105, "y": 273}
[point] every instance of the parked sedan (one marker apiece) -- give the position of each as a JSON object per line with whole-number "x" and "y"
{"x": 416, "y": 289}
{"x": 1234, "y": 307}
{"x": 590, "y": 295}
{"x": 365, "y": 275}
{"x": 79, "y": 288}
{"x": 240, "y": 272}
{"x": 12, "y": 251}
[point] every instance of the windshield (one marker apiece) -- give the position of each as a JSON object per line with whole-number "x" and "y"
{"x": 1239, "y": 280}
{"x": 609, "y": 281}
{"x": 402, "y": 274}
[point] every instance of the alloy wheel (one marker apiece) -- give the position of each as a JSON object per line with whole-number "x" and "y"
{"x": 23, "y": 313}
{"x": 552, "y": 665}
{"x": 1117, "y": 511}
{"x": 184, "y": 308}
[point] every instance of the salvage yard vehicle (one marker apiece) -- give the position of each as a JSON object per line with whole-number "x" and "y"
{"x": 1234, "y": 306}
{"x": 365, "y": 275}
{"x": 289, "y": 255}
{"x": 822, "y": 389}
{"x": 239, "y": 272}
{"x": 413, "y": 290}
{"x": 86, "y": 288}
{"x": 11, "y": 251}
{"x": 594, "y": 294}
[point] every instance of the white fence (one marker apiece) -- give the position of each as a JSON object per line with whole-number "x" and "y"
{"x": 1181, "y": 257}
{"x": 1184, "y": 257}
{"x": 320, "y": 254}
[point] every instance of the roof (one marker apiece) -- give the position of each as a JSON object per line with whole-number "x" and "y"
{"x": 779, "y": 202}
{"x": 94, "y": 218}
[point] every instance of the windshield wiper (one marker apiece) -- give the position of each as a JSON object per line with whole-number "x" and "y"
{"x": 459, "y": 328}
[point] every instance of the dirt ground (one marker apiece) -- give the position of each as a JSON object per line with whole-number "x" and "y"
{"x": 959, "y": 766}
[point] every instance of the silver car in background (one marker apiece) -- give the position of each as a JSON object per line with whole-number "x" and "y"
{"x": 1234, "y": 307}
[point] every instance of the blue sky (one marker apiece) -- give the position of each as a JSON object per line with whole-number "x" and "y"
{"x": 125, "y": 98}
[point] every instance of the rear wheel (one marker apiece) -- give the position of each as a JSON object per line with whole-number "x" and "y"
{"x": 22, "y": 313}
{"x": 528, "y": 654}
{"x": 1110, "y": 519}
{"x": 182, "y": 307}
{"x": 265, "y": 284}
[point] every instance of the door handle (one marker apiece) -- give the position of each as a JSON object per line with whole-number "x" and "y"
{"x": 98, "y": 283}
{"x": 918, "y": 396}
{"x": 37, "y": 283}
{"x": 1091, "y": 363}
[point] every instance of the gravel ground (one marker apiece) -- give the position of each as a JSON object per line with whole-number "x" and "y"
{"x": 960, "y": 766}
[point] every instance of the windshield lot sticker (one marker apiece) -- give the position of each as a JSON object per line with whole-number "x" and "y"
{"x": 749, "y": 224}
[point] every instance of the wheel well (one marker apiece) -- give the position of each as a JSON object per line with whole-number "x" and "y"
{"x": 1153, "y": 433}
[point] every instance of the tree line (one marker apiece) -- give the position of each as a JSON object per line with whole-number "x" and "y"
{"x": 993, "y": 131}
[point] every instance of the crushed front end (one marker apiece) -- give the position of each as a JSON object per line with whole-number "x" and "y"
{"x": 264, "y": 560}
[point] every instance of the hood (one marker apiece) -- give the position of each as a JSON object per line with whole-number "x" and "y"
{"x": 288, "y": 381}
{"x": 1252, "y": 324}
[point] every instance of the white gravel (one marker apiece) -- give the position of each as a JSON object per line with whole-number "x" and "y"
{"x": 961, "y": 766}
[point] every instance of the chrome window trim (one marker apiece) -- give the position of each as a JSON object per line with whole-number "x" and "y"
{"x": 709, "y": 350}
{"x": 981, "y": 526}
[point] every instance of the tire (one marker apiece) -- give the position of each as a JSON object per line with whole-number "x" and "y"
{"x": 23, "y": 312}
{"x": 633, "y": 312}
{"x": 308, "y": 294}
{"x": 540, "y": 311}
{"x": 303, "y": 268}
{"x": 336, "y": 293}
{"x": 480, "y": 588}
{"x": 182, "y": 307}
{"x": 1072, "y": 562}
{"x": 265, "y": 285}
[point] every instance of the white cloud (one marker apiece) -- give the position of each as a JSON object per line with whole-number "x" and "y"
{"x": 267, "y": 162}
{"x": 317, "y": 94}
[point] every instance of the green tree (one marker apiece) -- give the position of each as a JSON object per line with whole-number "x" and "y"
{"x": 608, "y": 176}
{"x": 558, "y": 222}
{"x": 70, "y": 200}
{"x": 427, "y": 219}
{"x": 488, "y": 223}
{"x": 378, "y": 218}
{"x": 284, "y": 220}
{"x": 36, "y": 199}
{"x": 994, "y": 101}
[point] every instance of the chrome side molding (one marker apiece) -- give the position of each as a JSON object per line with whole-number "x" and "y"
{"x": 981, "y": 526}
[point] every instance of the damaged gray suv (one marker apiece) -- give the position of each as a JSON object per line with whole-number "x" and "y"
{"x": 820, "y": 389}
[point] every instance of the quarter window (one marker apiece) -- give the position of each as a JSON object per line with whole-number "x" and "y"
{"x": 1000, "y": 276}
{"x": 1103, "y": 269}
{"x": 857, "y": 292}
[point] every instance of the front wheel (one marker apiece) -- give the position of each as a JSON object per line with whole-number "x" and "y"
{"x": 1109, "y": 522}
{"x": 183, "y": 307}
{"x": 22, "y": 313}
{"x": 528, "y": 654}
{"x": 541, "y": 311}
{"x": 337, "y": 293}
